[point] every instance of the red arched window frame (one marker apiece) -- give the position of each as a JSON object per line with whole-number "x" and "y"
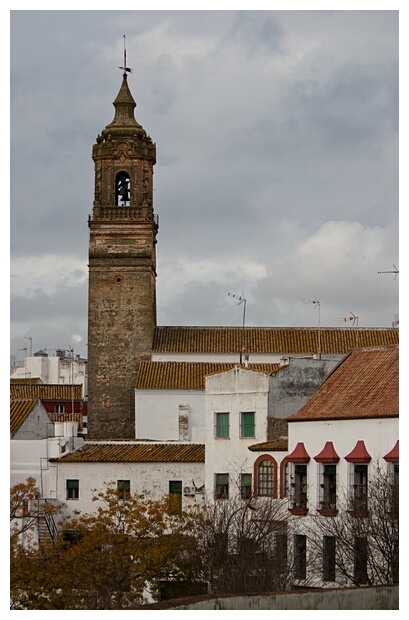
{"x": 266, "y": 457}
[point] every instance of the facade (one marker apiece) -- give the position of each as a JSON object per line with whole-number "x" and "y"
{"x": 246, "y": 424}
{"x": 338, "y": 442}
{"x": 157, "y": 469}
{"x": 34, "y": 438}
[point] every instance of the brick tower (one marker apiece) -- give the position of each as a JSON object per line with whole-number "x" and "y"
{"x": 122, "y": 270}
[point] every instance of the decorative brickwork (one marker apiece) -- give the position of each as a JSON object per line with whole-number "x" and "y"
{"x": 122, "y": 270}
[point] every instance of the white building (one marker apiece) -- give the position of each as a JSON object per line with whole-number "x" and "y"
{"x": 158, "y": 469}
{"x": 337, "y": 442}
{"x": 56, "y": 369}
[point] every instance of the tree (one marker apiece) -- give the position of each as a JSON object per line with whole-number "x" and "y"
{"x": 241, "y": 546}
{"x": 107, "y": 560}
{"x": 363, "y": 536}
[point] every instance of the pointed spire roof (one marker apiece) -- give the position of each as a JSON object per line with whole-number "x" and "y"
{"x": 124, "y": 119}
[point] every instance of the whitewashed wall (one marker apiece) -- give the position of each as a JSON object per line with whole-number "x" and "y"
{"x": 235, "y": 391}
{"x": 379, "y": 434}
{"x": 157, "y": 414}
{"x": 151, "y": 477}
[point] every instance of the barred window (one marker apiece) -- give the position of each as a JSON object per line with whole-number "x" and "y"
{"x": 265, "y": 478}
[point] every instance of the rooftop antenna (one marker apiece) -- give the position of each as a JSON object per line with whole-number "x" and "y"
{"x": 354, "y": 320}
{"x": 316, "y": 304}
{"x": 125, "y": 68}
{"x": 243, "y": 301}
{"x": 395, "y": 270}
{"x": 31, "y": 344}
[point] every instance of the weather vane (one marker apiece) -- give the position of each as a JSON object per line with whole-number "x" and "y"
{"x": 125, "y": 68}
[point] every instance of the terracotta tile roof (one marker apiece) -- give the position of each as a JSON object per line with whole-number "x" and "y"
{"x": 45, "y": 391}
{"x": 186, "y": 375}
{"x": 365, "y": 384}
{"x": 19, "y": 411}
{"x": 132, "y": 452}
{"x": 269, "y": 339}
{"x": 275, "y": 445}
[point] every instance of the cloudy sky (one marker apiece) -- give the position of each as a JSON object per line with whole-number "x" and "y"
{"x": 276, "y": 174}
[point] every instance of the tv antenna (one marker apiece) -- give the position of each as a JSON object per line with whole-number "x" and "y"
{"x": 354, "y": 320}
{"x": 125, "y": 68}
{"x": 243, "y": 301}
{"x": 316, "y": 304}
{"x": 395, "y": 270}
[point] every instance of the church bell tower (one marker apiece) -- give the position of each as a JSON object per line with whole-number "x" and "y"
{"x": 122, "y": 269}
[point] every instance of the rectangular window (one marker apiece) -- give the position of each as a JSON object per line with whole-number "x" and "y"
{"x": 360, "y": 560}
{"x": 124, "y": 489}
{"x": 245, "y": 486}
{"x": 247, "y": 426}
{"x": 328, "y": 487}
{"x": 221, "y": 490}
{"x": 328, "y": 556}
{"x": 359, "y": 488}
{"x": 73, "y": 489}
{"x": 175, "y": 496}
{"x": 58, "y": 408}
{"x": 281, "y": 551}
{"x": 221, "y": 424}
{"x": 300, "y": 556}
{"x": 299, "y": 487}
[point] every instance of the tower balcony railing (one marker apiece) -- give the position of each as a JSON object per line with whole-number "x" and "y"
{"x": 121, "y": 213}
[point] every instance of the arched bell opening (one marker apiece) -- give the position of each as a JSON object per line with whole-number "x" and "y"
{"x": 123, "y": 189}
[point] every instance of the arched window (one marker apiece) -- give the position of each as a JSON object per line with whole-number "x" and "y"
{"x": 265, "y": 478}
{"x": 122, "y": 189}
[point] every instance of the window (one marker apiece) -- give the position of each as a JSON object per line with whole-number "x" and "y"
{"x": 73, "y": 489}
{"x": 328, "y": 556}
{"x": 281, "y": 550}
{"x": 247, "y": 427}
{"x": 300, "y": 556}
{"x": 123, "y": 188}
{"x": 245, "y": 486}
{"x": 221, "y": 490}
{"x": 124, "y": 489}
{"x": 328, "y": 488}
{"x": 58, "y": 408}
{"x": 395, "y": 490}
{"x": 298, "y": 488}
{"x": 360, "y": 560}
{"x": 221, "y": 423}
{"x": 175, "y": 496}
{"x": 265, "y": 478}
{"x": 359, "y": 491}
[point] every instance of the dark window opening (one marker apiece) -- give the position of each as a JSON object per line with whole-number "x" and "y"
{"x": 73, "y": 489}
{"x": 175, "y": 497}
{"x": 300, "y": 556}
{"x": 124, "y": 489}
{"x": 328, "y": 572}
{"x": 123, "y": 189}
{"x": 360, "y": 560}
{"x": 245, "y": 486}
{"x": 221, "y": 490}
